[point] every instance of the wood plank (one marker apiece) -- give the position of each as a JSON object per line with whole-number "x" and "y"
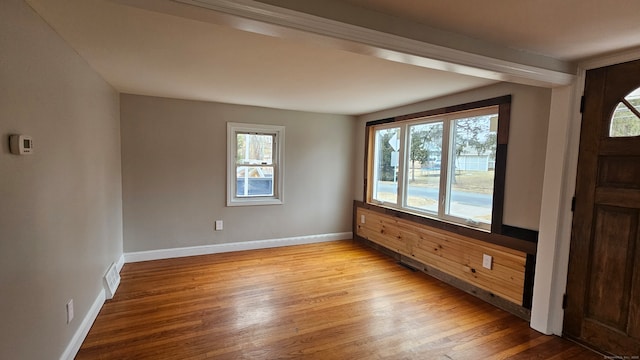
{"x": 526, "y": 243}
{"x": 451, "y": 253}
{"x": 379, "y": 217}
{"x": 337, "y": 300}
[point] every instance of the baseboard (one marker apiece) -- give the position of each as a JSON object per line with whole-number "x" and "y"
{"x": 229, "y": 247}
{"x": 120, "y": 263}
{"x": 76, "y": 341}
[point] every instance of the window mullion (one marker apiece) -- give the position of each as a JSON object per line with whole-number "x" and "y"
{"x": 402, "y": 161}
{"x": 373, "y": 183}
{"x": 445, "y": 165}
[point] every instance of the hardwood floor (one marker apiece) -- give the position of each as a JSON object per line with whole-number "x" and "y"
{"x": 337, "y": 300}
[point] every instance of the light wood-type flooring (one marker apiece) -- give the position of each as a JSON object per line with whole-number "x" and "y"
{"x": 336, "y": 300}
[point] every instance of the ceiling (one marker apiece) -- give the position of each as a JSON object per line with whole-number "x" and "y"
{"x": 562, "y": 29}
{"x": 171, "y": 49}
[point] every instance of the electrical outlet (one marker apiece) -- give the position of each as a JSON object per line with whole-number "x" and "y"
{"x": 362, "y": 219}
{"x": 69, "y": 311}
{"x": 219, "y": 225}
{"x": 487, "y": 261}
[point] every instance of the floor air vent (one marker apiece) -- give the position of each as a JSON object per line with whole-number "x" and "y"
{"x": 112, "y": 280}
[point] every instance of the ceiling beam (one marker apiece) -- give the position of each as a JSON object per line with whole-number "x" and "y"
{"x": 271, "y": 20}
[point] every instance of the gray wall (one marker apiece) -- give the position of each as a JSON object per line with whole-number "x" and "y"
{"x": 530, "y": 108}
{"x": 60, "y": 208}
{"x": 174, "y": 174}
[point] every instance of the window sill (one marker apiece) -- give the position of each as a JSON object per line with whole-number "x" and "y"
{"x": 430, "y": 218}
{"x": 254, "y": 202}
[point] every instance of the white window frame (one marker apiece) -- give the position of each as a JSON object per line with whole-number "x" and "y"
{"x": 278, "y": 164}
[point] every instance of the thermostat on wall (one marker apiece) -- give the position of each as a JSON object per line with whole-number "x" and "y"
{"x": 21, "y": 144}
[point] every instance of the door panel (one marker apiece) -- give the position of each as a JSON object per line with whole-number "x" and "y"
{"x": 611, "y": 283}
{"x": 619, "y": 172}
{"x": 603, "y": 287}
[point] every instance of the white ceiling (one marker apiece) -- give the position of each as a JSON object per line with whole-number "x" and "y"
{"x": 162, "y": 48}
{"x": 562, "y": 29}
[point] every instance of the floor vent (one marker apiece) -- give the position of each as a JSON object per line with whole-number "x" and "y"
{"x": 112, "y": 280}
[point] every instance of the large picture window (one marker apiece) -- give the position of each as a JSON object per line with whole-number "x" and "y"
{"x": 439, "y": 165}
{"x": 255, "y": 164}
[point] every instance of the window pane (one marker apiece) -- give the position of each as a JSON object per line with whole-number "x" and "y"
{"x": 423, "y": 170}
{"x": 385, "y": 177}
{"x": 254, "y": 149}
{"x": 254, "y": 181}
{"x": 471, "y": 169}
{"x": 625, "y": 120}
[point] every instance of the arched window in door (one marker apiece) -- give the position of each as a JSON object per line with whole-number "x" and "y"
{"x": 625, "y": 121}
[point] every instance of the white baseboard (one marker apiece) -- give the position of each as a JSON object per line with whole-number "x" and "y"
{"x": 76, "y": 341}
{"x": 120, "y": 263}
{"x": 240, "y": 246}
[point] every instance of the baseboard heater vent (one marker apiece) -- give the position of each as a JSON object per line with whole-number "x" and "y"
{"x": 111, "y": 281}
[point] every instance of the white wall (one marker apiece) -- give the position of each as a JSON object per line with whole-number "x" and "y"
{"x": 547, "y": 313}
{"x": 525, "y": 154}
{"x": 174, "y": 174}
{"x": 60, "y": 208}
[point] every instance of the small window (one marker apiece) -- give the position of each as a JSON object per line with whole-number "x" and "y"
{"x": 255, "y": 164}
{"x": 625, "y": 121}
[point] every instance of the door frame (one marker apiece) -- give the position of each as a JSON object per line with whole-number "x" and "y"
{"x": 556, "y": 217}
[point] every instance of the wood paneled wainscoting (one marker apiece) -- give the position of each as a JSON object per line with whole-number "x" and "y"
{"x": 451, "y": 257}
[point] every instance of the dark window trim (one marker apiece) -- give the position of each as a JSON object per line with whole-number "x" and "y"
{"x": 450, "y": 109}
{"x": 520, "y": 233}
{"x": 509, "y": 236}
{"x": 381, "y": 121}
